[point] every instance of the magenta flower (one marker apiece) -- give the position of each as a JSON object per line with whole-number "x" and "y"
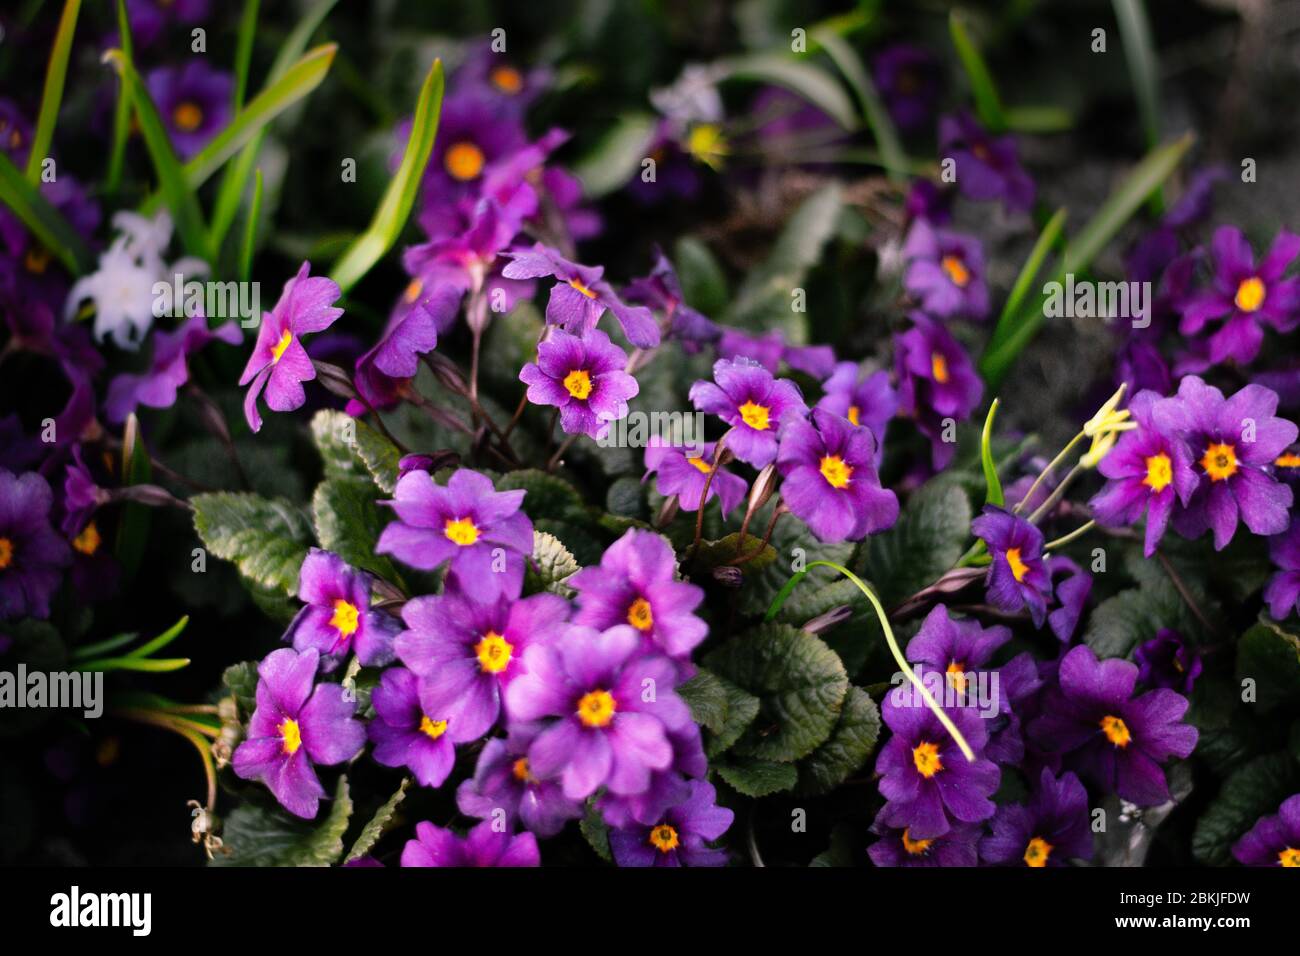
{"x": 295, "y": 727}
{"x": 32, "y": 554}
{"x": 945, "y": 272}
{"x": 482, "y": 846}
{"x": 584, "y": 377}
{"x": 1018, "y": 576}
{"x": 338, "y": 618}
{"x": 1246, "y": 296}
{"x": 168, "y": 370}
{"x": 753, "y": 403}
{"x": 680, "y": 838}
{"x": 613, "y": 707}
{"x": 867, "y": 401}
{"x": 684, "y": 471}
{"x": 1050, "y": 830}
{"x": 636, "y": 584}
{"x": 194, "y": 102}
{"x": 466, "y": 652}
{"x": 279, "y": 362}
{"x": 481, "y": 531}
{"x": 1282, "y": 595}
{"x": 1113, "y": 738}
{"x": 1234, "y": 443}
{"x": 898, "y": 847}
{"x": 830, "y": 481}
{"x": 988, "y": 167}
{"x": 424, "y": 311}
{"x": 667, "y": 788}
{"x": 503, "y": 780}
{"x": 404, "y": 734}
{"x": 936, "y": 381}
{"x": 580, "y": 296}
{"x": 1273, "y": 840}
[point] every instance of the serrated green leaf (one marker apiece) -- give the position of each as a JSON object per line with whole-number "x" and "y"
{"x": 596, "y": 832}
{"x": 258, "y": 835}
{"x": 1269, "y": 655}
{"x": 333, "y": 433}
{"x": 929, "y": 539}
{"x": 712, "y": 554}
{"x": 267, "y": 539}
{"x": 552, "y": 563}
{"x": 1120, "y": 623}
{"x": 1253, "y": 790}
{"x": 547, "y": 495}
{"x": 378, "y": 824}
{"x": 707, "y": 699}
{"x": 241, "y": 681}
{"x": 348, "y": 523}
{"x": 800, "y": 684}
{"x": 848, "y": 748}
{"x": 757, "y": 778}
{"x": 792, "y": 543}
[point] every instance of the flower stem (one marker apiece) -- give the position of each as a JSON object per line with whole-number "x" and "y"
{"x": 1042, "y": 476}
{"x": 1067, "y": 538}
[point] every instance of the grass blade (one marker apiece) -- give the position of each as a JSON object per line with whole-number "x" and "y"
{"x": 46, "y": 223}
{"x": 988, "y": 105}
{"x": 390, "y": 217}
{"x": 162, "y": 640}
{"x": 878, "y": 120}
{"x": 1028, "y": 273}
{"x": 52, "y": 96}
{"x": 1139, "y": 51}
{"x": 250, "y": 231}
{"x": 244, "y": 51}
{"x": 122, "y": 110}
{"x": 803, "y": 79}
{"x": 992, "y": 483}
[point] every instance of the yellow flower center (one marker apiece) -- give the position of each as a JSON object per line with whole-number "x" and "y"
{"x": 345, "y": 618}
{"x": 6, "y": 553}
{"x": 957, "y": 678}
{"x": 706, "y": 143}
{"x": 835, "y": 471}
{"x": 939, "y": 368}
{"x": 1159, "y": 472}
{"x": 855, "y": 415}
{"x": 639, "y": 615}
{"x": 1116, "y": 731}
{"x": 413, "y": 290}
{"x": 1018, "y": 567}
{"x": 1289, "y": 460}
{"x": 596, "y": 708}
{"x": 663, "y": 838}
{"x": 281, "y": 345}
{"x": 1250, "y": 294}
{"x": 464, "y": 161}
{"x": 494, "y": 652}
{"x": 37, "y": 259}
{"x": 507, "y": 79}
{"x": 291, "y": 735}
{"x": 462, "y": 531}
{"x": 521, "y": 771}
{"x": 926, "y": 758}
{"x": 1289, "y": 857}
{"x": 88, "y": 541}
{"x": 915, "y": 847}
{"x": 1037, "y": 851}
{"x": 956, "y": 270}
{"x": 187, "y": 117}
{"x": 1220, "y": 461}
{"x": 755, "y": 416}
{"x": 578, "y": 382}
{"x": 582, "y": 287}
{"x": 433, "y": 729}
{"x": 701, "y": 465}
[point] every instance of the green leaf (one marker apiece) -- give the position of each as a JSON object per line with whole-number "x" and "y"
{"x": 617, "y": 157}
{"x": 1038, "y": 119}
{"x": 546, "y": 495}
{"x": 52, "y": 97}
{"x": 1135, "y": 33}
{"x": 244, "y": 50}
{"x": 704, "y": 284}
{"x": 758, "y": 778}
{"x": 1118, "y": 624}
{"x": 1253, "y": 790}
{"x": 840, "y": 851}
{"x": 45, "y": 222}
{"x": 992, "y": 483}
{"x": 249, "y": 244}
{"x": 596, "y": 832}
{"x": 800, "y": 684}
{"x": 390, "y": 217}
{"x": 707, "y": 698}
{"x": 552, "y": 563}
{"x": 988, "y": 105}
{"x": 712, "y": 554}
{"x": 348, "y": 523}
{"x": 1028, "y": 273}
{"x": 121, "y": 109}
{"x": 892, "y": 157}
{"x": 378, "y": 824}
{"x": 162, "y": 640}
{"x": 349, "y": 448}
{"x": 267, "y": 539}
{"x": 36, "y": 644}
{"x": 241, "y": 681}
{"x": 848, "y": 748}
{"x": 741, "y": 710}
{"x": 791, "y": 542}
{"x": 263, "y": 835}
{"x": 1270, "y": 656}
{"x": 803, "y": 79}
{"x": 928, "y": 539}
{"x": 136, "y": 469}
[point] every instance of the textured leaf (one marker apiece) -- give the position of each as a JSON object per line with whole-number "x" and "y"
{"x": 350, "y": 448}
{"x": 552, "y": 563}
{"x": 241, "y": 681}
{"x": 1120, "y": 623}
{"x": 260, "y": 835}
{"x": 348, "y": 522}
{"x": 547, "y": 496}
{"x": 741, "y": 710}
{"x": 707, "y": 698}
{"x": 378, "y": 824}
{"x": 596, "y": 833}
{"x": 929, "y": 538}
{"x": 266, "y": 538}
{"x": 758, "y": 778}
{"x": 1270, "y": 655}
{"x": 791, "y": 541}
{"x": 800, "y": 684}
{"x": 848, "y": 748}
{"x": 1253, "y": 790}
{"x": 712, "y": 554}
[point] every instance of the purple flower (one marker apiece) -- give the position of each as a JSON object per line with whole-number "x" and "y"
{"x": 1113, "y": 738}
{"x": 923, "y": 773}
{"x": 988, "y": 167}
{"x": 897, "y": 846}
{"x": 753, "y": 403}
{"x": 1168, "y": 661}
{"x": 504, "y": 781}
{"x": 481, "y": 531}
{"x": 194, "y": 102}
{"x": 1234, "y": 442}
{"x": 493, "y": 77}
{"x": 676, "y": 175}
{"x": 909, "y": 83}
{"x": 765, "y": 348}
{"x": 82, "y": 495}
{"x": 927, "y": 201}
{"x": 404, "y": 734}
{"x": 936, "y": 381}
{"x": 168, "y": 370}
{"x": 635, "y": 583}
{"x": 15, "y": 132}
{"x": 32, "y": 554}
{"x": 680, "y": 837}
{"x": 1071, "y": 594}
{"x": 866, "y": 401}
{"x": 955, "y": 647}
{"x": 668, "y": 787}
{"x": 580, "y": 296}
{"x": 279, "y": 362}
{"x": 338, "y": 618}
{"x": 1273, "y": 840}
{"x": 945, "y": 272}
{"x": 295, "y": 727}
{"x": 149, "y": 18}
{"x": 482, "y": 846}
{"x": 662, "y": 291}
{"x": 1050, "y": 830}
{"x": 830, "y": 481}
{"x": 1282, "y": 594}
{"x": 1018, "y": 576}
{"x": 466, "y": 652}
{"x": 614, "y": 707}
{"x": 684, "y": 471}
{"x": 584, "y": 377}
{"x": 1246, "y": 296}
{"x": 815, "y": 360}
{"x": 1149, "y": 470}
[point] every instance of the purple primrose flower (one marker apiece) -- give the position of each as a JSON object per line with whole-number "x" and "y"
{"x": 338, "y": 619}
{"x": 749, "y": 399}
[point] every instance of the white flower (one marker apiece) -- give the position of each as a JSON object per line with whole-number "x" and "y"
{"x": 693, "y": 97}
